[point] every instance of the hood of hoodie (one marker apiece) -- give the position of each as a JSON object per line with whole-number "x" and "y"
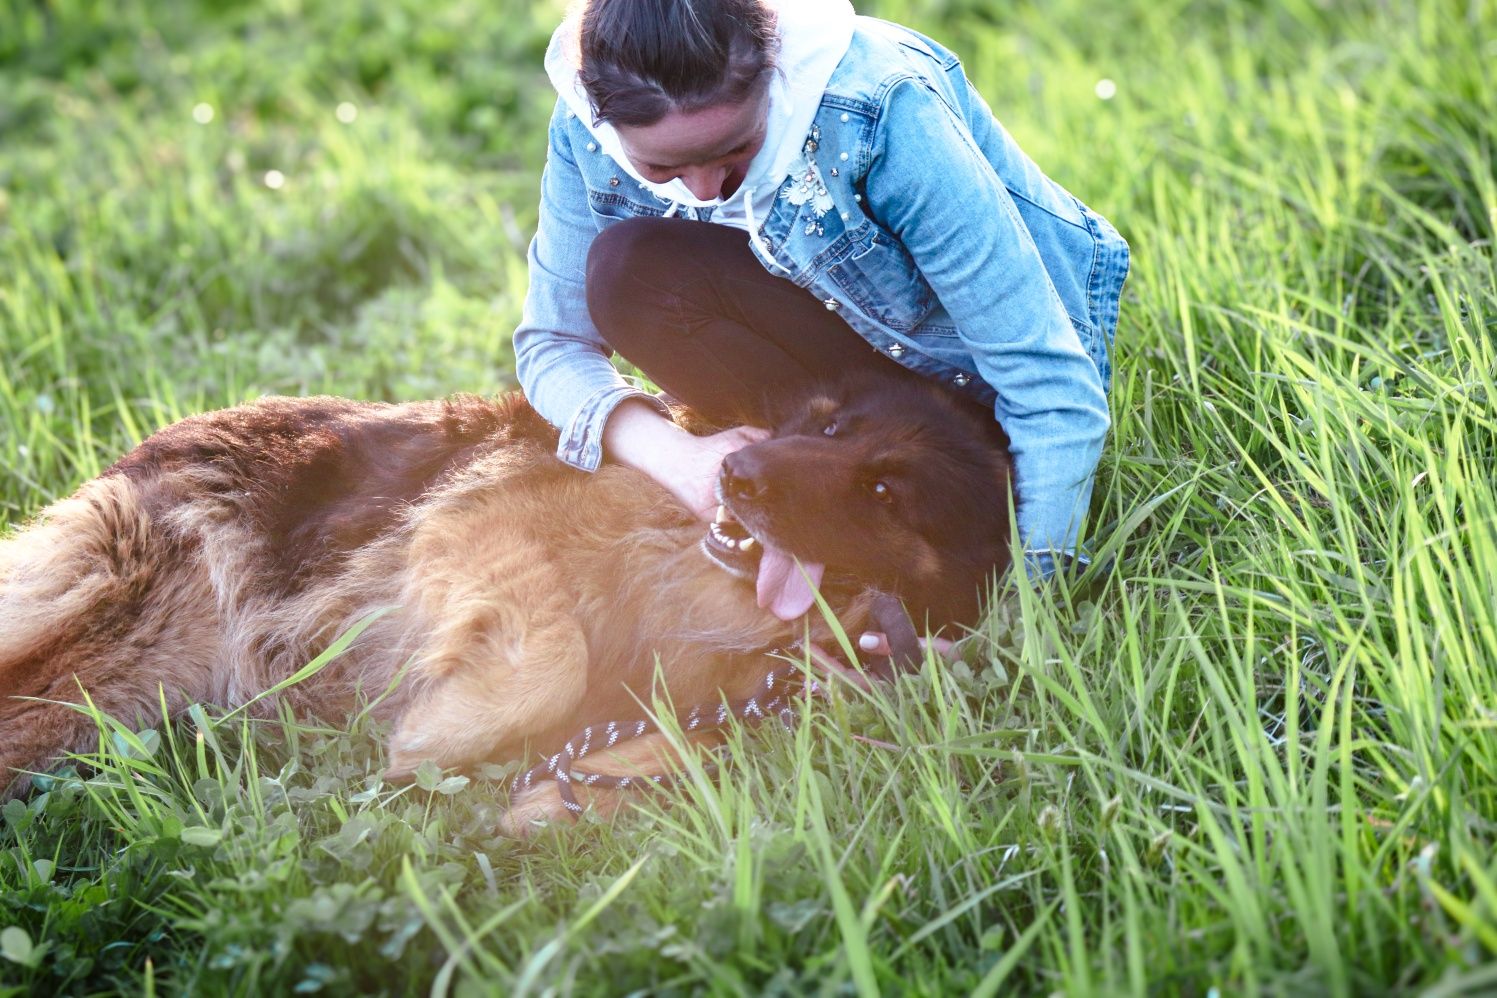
{"x": 814, "y": 36}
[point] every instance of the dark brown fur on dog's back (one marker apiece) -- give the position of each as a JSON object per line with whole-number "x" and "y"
{"x": 524, "y": 598}
{"x": 321, "y": 477}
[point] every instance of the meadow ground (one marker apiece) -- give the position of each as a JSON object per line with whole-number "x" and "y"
{"x": 1259, "y": 754}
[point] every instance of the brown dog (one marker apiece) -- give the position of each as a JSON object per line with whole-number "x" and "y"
{"x": 229, "y": 549}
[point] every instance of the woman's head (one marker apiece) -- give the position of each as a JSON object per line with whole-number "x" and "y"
{"x": 684, "y": 83}
{"x": 644, "y": 59}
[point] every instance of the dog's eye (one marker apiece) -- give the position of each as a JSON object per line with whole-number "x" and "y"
{"x": 830, "y": 429}
{"x": 881, "y": 491}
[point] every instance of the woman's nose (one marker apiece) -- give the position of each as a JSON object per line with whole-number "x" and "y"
{"x": 705, "y": 182}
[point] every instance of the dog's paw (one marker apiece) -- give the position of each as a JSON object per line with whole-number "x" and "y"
{"x": 532, "y": 809}
{"x": 540, "y": 806}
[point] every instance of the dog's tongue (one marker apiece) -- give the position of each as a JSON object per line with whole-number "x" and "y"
{"x": 784, "y": 586}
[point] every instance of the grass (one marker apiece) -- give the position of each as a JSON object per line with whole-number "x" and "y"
{"x": 1257, "y": 755}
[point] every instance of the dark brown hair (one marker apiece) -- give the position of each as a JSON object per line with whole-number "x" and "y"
{"x": 642, "y": 59}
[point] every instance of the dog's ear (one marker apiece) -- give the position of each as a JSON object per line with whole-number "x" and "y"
{"x": 805, "y": 408}
{"x": 784, "y": 407}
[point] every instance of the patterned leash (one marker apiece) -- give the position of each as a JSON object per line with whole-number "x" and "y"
{"x": 772, "y": 701}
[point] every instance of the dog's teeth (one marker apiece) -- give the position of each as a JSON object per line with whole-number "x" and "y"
{"x": 745, "y": 544}
{"x": 722, "y": 514}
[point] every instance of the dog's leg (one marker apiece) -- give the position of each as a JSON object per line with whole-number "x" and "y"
{"x": 510, "y": 678}
{"x": 504, "y": 656}
{"x": 37, "y": 735}
{"x": 650, "y": 755}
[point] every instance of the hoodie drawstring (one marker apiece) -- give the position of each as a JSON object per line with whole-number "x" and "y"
{"x": 756, "y": 238}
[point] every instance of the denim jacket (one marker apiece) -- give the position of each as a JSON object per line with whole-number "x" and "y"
{"x": 914, "y": 216}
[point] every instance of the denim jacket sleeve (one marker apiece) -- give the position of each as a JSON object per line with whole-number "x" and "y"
{"x": 560, "y": 358}
{"x": 929, "y": 184}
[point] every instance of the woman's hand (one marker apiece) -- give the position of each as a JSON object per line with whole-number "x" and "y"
{"x": 872, "y": 643}
{"x": 693, "y": 479}
{"x": 640, "y": 437}
{"x": 876, "y": 643}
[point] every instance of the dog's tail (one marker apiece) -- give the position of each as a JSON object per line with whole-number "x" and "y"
{"x": 94, "y": 597}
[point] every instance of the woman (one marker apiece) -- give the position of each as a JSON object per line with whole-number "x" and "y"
{"x": 867, "y": 210}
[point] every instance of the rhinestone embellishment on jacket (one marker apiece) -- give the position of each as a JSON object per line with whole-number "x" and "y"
{"x": 809, "y": 187}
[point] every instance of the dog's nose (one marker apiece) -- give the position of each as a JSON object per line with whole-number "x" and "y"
{"x": 742, "y": 477}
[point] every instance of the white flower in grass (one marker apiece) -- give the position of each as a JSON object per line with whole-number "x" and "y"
{"x": 275, "y": 179}
{"x": 347, "y": 112}
{"x": 1105, "y": 89}
{"x": 202, "y": 113}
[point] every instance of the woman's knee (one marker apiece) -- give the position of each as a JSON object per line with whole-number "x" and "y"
{"x": 629, "y": 267}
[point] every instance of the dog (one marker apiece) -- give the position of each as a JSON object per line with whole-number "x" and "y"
{"x": 523, "y": 598}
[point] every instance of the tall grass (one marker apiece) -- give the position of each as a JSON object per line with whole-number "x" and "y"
{"x": 1254, "y": 750}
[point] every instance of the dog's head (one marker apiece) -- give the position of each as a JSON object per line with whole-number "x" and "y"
{"x": 892, "y": 484}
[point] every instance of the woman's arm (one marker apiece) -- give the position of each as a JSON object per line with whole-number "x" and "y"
{"x": 930, "y": 185}
{"x": 560, "y": 357}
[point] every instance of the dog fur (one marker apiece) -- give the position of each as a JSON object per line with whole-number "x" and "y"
{"x": 529, "y": 599}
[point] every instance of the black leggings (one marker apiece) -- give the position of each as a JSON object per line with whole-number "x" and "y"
{"x": 689, "y": 305}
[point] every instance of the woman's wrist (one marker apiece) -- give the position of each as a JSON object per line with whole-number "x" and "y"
{"x": 638, "y": 436}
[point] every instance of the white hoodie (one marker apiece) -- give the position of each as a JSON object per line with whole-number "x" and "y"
{"x": 814, "y": 35}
